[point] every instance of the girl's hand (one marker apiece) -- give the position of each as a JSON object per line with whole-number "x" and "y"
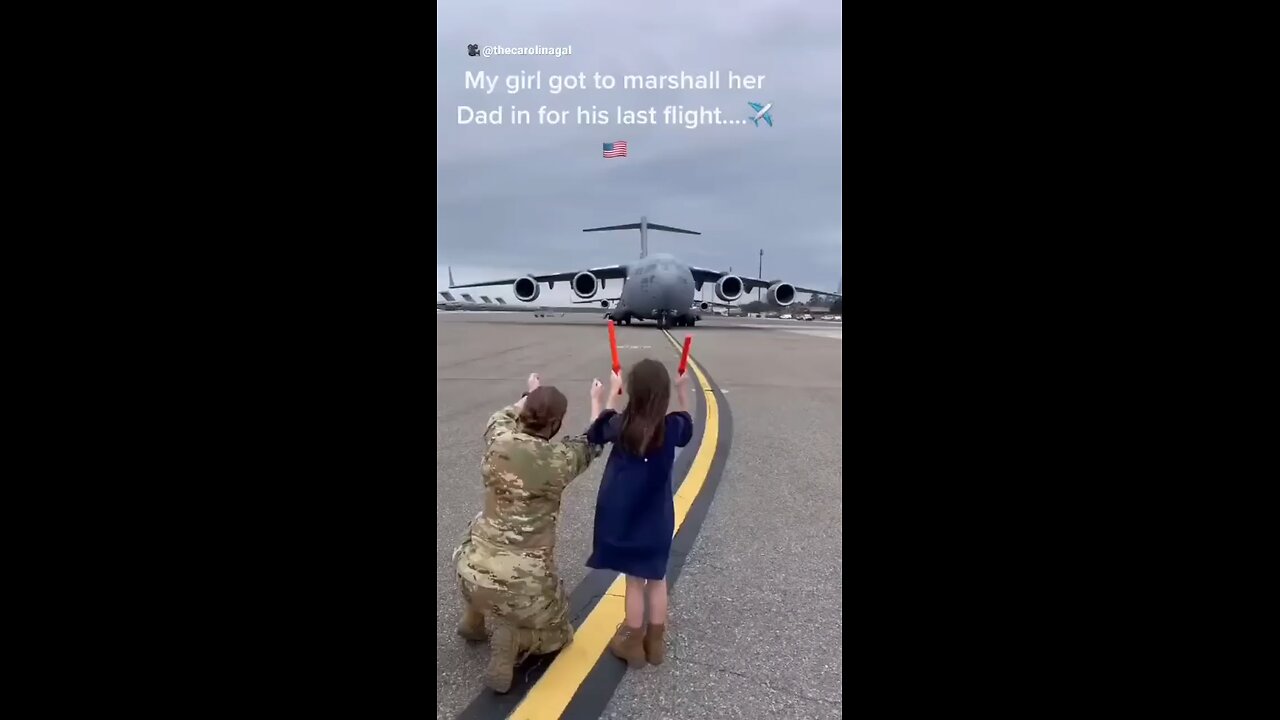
{"x": 615, "y": 384}
{"x": 682, "y": 382}
{"x": 534, "y": 381}
{"x": 682, "y": 391}
{"x": 597, "y": 391}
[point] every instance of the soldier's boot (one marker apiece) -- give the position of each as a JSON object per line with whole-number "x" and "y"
{"x": 655, "y": 643}
{"x": 628, "y": 644}
{"x": 502, "y": 657}
{"x": 472, "y": 625}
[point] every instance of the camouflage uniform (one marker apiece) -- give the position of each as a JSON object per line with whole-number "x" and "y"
{"x": 506, "y": 564}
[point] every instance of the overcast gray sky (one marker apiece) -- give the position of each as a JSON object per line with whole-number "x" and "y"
{"x": 514, "y": 199}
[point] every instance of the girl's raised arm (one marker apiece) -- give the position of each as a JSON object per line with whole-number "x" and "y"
{"x": 597, "y": 398}
{"x": 615, "y": 392}
{"x": 682, "y": 392}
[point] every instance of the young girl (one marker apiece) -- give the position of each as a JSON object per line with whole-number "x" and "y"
{"x": 635, "y": 515}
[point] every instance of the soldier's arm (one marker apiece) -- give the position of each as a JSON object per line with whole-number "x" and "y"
{"x": 576, "y": 454}
{"x": 503, "y": 422}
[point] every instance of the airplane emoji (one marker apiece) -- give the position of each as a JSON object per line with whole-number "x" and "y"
{"x": 762, "y": 111}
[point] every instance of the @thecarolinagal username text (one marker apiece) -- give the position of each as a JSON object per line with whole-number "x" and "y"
{"x": 476, "y": 50}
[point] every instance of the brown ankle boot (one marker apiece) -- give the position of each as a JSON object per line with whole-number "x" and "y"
{"x": 472, "y": 625}
{"x": 502, "y": 658}
{"x": 628, "y": 644}
{"x": 655, "y": 645}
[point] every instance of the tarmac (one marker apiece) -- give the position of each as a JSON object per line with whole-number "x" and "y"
{"x": 756, "y": 612}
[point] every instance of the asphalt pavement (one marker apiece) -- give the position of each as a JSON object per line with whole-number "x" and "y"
{"x": 755, "y": 619}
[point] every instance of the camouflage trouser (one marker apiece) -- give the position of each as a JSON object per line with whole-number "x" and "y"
{"x": 541, "y": 621}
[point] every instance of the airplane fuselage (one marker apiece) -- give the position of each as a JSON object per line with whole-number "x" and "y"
{"x": 656, "y": 286}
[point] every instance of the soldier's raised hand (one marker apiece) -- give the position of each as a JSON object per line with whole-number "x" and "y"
{"x": 597, "y": 391}
{"x": 534, "y": 381}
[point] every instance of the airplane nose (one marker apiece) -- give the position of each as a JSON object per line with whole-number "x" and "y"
{"x": 679, "y": 293}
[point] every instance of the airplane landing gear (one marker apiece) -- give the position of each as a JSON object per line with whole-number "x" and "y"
{"x": 666, "y": 321}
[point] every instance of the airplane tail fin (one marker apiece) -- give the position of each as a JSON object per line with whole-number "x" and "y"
{"x": 643, "y": 226}
{"x": 753, "y": 120}
{"x": 450, "y": 276}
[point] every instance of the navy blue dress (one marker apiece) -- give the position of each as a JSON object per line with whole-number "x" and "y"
{"x": 635, "y": 514}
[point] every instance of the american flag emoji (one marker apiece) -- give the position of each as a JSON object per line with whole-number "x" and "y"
{"x": 617, "y": 148}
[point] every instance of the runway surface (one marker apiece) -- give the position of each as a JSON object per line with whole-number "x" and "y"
{"x": 755, "y": 626}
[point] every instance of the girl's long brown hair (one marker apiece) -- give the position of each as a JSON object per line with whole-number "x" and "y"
{"x": 644, "y": 422}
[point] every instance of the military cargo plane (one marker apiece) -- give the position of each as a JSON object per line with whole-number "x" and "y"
{"x": 655, "y": 287}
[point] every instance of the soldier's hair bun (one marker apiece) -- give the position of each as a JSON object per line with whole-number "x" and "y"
{"x": 543, "y": 411}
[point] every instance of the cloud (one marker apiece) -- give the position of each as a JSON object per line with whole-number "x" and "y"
{"x": 513, "y": 199}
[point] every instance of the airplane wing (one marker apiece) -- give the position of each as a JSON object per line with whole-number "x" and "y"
{"x": 702, "y": 275}
{"x": 608, "y": 272}
{"x": 636, "y": 226}
{"x": 755, "y": 106}
{"x": 768, "y": 117}
{"x": 750, "y": 283}
{"x": 819, "y": 292}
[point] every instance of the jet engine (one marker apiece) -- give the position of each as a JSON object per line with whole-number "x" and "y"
{"x": 584, "y": 285}
{"x": 729, "y": 288}
{"x": 526, "y": 289}
{"x": 782, "y": 294}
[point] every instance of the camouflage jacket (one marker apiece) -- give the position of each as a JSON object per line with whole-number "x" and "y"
{"x": 510, "y": 544}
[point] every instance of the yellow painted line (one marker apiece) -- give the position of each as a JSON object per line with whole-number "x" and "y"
{"x": 693, "y": 482}
{"x": 548, "y": 698}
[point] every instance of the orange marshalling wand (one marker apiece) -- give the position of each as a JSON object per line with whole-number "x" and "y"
{"x": 613, "y": 349}
{"x": 684, "y": 357}
{"x": 613, "y": 346}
